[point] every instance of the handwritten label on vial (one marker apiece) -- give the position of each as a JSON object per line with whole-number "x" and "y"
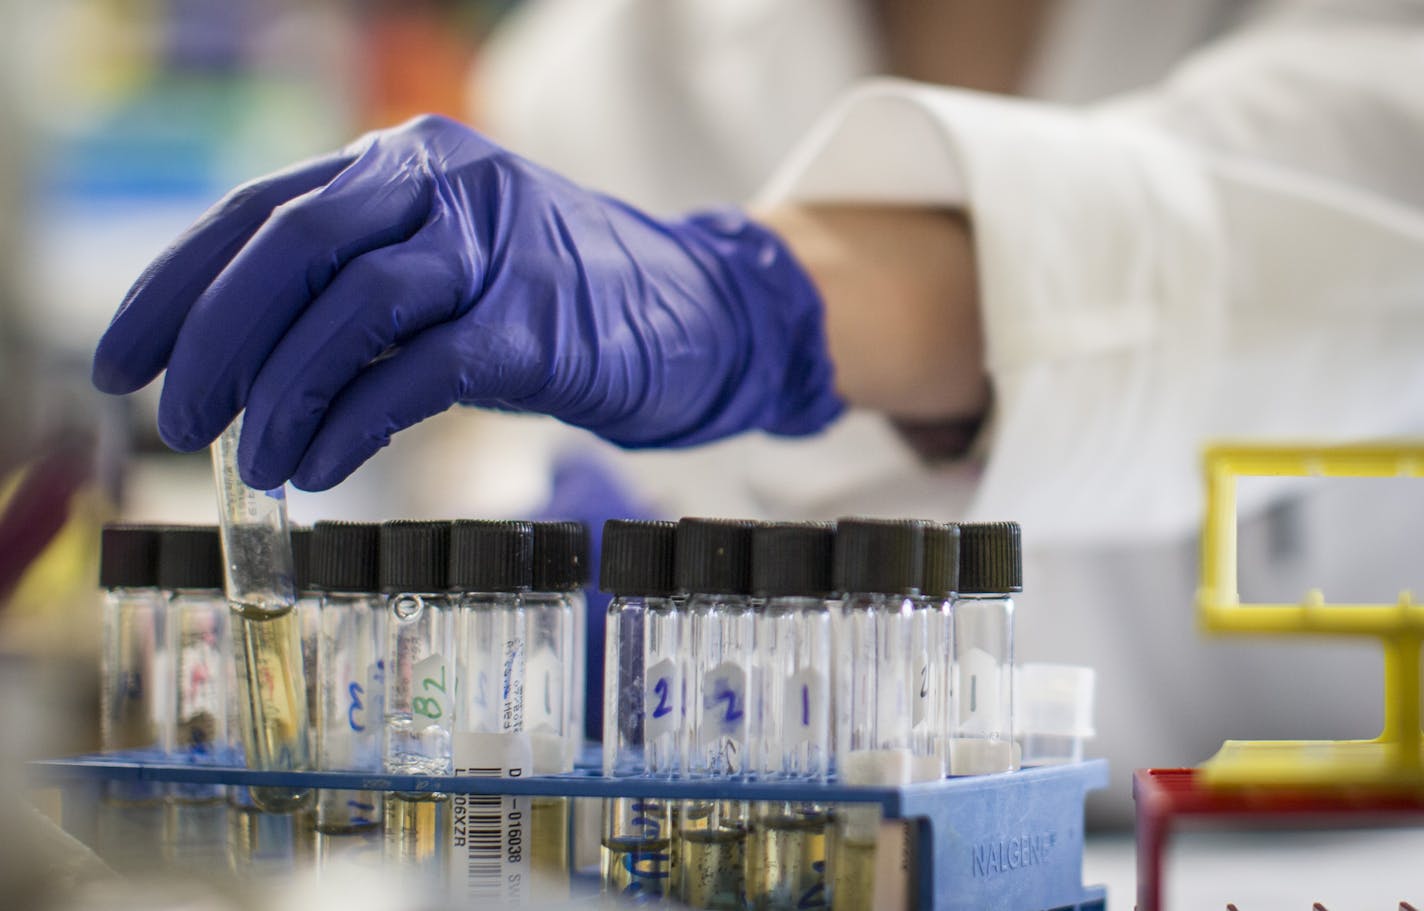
{"x": 804, "y": 711}
{"x": 544, "y": 691}
{"x": 979, "y": 708}
{"x": 660, "y": 699}
{"x": 922, "y": 685}
{"x": 724, "y": 700}
{"x": 430, "y": 692}
{"x": 489, "y": 833}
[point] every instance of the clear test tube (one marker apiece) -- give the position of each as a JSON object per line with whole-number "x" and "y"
{"x": 261, "y": 594}
{"x": 558, "y": 554}
{"x": 791, "y": 723}
{"x": 932, "y": 651}
{"x": 490, "y": 837}
{"x": 714, "y": 571}
{"x": 990, "y": 570}
{"x": 135, "y": 692}
{"x": 350, "y": 681}
{"x": 421, "y": 703}
{"x": 637, "y": 570}
{"x": 878, "y": 570}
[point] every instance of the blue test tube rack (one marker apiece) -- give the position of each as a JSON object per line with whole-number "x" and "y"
{"x": 1005, "y": 842}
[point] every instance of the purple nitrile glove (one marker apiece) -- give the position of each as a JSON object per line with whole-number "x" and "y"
{"x": 347, "y": 298}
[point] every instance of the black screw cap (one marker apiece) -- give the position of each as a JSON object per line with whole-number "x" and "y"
{"x": 491, "y": 556}
{"x": 190, "y": 556}
{"x": 793, "y": 559}
{"x": 638, "y": 558}
{"x": 560, "y": 556}
{"x": 714, "y": 556}
{"x": 301, "y": 559}
{"x": 415, "y": 556}
{"x": 128, "y": 556}
{"x": 346, "y": 556}
{"x": 990, "y": 558}
{"x": 884, "y": 556}
{"x": 941, "y": 560}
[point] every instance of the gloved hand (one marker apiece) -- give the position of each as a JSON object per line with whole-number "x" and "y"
{"x": 349, "y": 297}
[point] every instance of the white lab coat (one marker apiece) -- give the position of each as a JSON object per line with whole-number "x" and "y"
{"x": 1234, "y": 247}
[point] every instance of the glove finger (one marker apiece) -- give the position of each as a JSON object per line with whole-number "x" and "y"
{"x": 234, "y": 324}
{"x": 138, "y": 341}
{"x": 419, "y": 380}
{"x": 380, "y": 299}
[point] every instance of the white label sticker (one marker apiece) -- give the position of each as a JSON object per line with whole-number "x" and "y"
{"x": 431, "y": 693}
{"x": 544, "y": 692}
{"x": 804, "y": 711}
{"x": 489, "y": 833}
{"x": 660, "y": 702}
{"x": 724, "y": 700}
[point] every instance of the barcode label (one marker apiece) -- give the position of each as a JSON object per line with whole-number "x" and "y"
{"x": 490, "y": 833}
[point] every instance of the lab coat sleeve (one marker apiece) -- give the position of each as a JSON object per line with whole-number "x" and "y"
{"x": 1238, "y": 252}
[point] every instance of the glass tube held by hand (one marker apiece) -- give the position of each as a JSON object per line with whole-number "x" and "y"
{"x": 266, "y": 627}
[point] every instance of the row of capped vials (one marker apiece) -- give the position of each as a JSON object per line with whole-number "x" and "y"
{"x": 392, "y": 617}
{"x": 872, "y": 652}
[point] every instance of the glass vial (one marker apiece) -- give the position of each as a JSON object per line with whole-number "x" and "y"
{"x": 491, "y": 844}
{"x": 308, "y": 621}
{"x": 555, "y": 687}
{"x": 135, "y": 692}
{"x": 490, "y": 567}
{"x": 350, "y": 681}
{"x": 990, "y": 571}
{"x": 190, "y": 568}
{"x": 879, "y": 566}
{"x": 791, "y": 724}
{"x": 272, "y": 688}
{"x": 713, "y": 566}
{"x": 932, "y": 651}
{"x": 637, "y": 570}
{"x": 552, "y": 689}
{"x": 420, "y": 706}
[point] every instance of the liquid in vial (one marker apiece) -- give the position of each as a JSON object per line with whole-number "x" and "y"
{"x": 636, "y": 868}
{"x": 549, "y": 849}
{"x": 852, "y": 867}
{"x": 272, "y": 699}
{"x": 417, "y": 830}
{"x": 787, "y": 863}
{"x": 712, "y": 863}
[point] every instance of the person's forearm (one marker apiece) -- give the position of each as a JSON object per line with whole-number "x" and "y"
{"x": 901, "y": 302}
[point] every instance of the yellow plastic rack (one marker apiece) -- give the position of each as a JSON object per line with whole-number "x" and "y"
{"x": 1391, "y": 760}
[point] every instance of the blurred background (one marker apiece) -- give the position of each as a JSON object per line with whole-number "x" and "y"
{"x": 122, "y": 120}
